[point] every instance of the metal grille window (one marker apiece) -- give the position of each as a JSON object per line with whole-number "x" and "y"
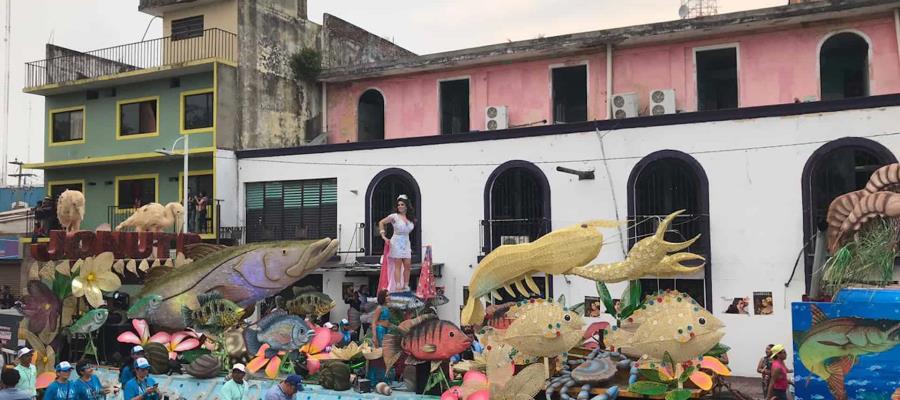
{"x": 187, "y": 27}
{"x": 68, "y": 126}
{"x": 289, "y": 210}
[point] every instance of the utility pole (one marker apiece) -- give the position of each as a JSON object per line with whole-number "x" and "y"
{"x": 19, "y": 175}
{"x": 4, "y": 136}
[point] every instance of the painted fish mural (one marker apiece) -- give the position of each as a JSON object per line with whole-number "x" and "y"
{"x": 90, "y": 321}
{"x": 214, "y": 314}
{"x": 424, "y": 338}
{"x": 243, "y": 274}
{"x": 831, "y": 347}
{"x": 308, "y": 302}
{"x": 281, "y": 331}
{"x": 669, "y": 322}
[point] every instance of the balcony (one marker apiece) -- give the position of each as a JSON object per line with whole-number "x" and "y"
{"x": 66, "y": 66}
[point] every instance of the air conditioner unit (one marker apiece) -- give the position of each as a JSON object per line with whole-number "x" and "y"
{"x": 625, "y": 105}
{"x": 495, "y": 117}
{"x": 662, "y": 101}
{"x": 514, "y": 239}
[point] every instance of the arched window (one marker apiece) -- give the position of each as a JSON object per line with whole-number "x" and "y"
{"x": 381, "y": 198}
{"x": 844, "y": 66}
{"x": 370, "y": 116}
{"x": 516, "y": 208}
{"x": 661, "y": 183}
{"x": 838, "y": 167}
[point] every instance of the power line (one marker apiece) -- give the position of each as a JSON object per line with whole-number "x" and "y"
{"x": 638, "y": 157}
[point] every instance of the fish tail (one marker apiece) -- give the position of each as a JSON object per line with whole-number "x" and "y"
{"x": 392, "y": 349}
{"x": 187, "y": 315}
{"x": 473, "y": 312}
{"x": 251, "y": 341}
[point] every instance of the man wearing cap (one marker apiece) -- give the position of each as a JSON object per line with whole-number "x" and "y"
{"x": 237, "y": 387}
{"x": 142, "y": 386}
{"x": 88, "y": 386}
{"x": 10, "y": 378}
{"x": 27, "y": 372}
{"x": 126, "y": 373}
{"x": 286, "y": 389}
{"x": 61, "y": 388}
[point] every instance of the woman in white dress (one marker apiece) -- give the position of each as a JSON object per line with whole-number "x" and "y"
{"x": 403, "y": 221}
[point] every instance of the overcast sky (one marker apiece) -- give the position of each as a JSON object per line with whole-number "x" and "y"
{"x": 420, "y": 26}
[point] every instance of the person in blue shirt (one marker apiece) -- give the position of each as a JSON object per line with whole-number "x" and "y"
{"x": 10, "y": 378}
{"x": 286, "y": 389}
{"x": 61, "y": 388}
{"x": 127, "y": 371}
{"x": 142, "y": 386}
{"x": 88, "y": 386}
{"x": 469, "y": 353}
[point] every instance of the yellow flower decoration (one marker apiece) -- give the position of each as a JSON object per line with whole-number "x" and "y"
{"x": 346, "y": 353}
{"x": 94, "y": 277}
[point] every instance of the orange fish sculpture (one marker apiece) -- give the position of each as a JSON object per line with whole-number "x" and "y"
{"x": 424, "y": 338}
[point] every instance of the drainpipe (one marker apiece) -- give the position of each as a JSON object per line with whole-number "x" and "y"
{"x": 324, "y": 107}
{"x": 609, "y": 79}
{"x": 897, "y": 30}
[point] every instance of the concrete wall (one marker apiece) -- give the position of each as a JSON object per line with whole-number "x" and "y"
{"x": 218, "y": 14}
{"x": 275, "y": 108}
{"x": 348, "y": 44}
{"x": 774, "y": 67}
{"x": 226, "y": 187}
{"x": 64, "y": 65}
{"x": 228, "y": 103}
{"x": 755, "y": 200}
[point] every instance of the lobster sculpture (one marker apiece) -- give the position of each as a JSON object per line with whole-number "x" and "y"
{"x": 849, "y": 212}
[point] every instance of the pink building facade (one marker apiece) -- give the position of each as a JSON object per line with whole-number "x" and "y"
{"x": 775, "y": 64}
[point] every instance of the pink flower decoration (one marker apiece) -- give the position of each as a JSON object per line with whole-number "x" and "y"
{"x": 141, "y": 334}
{"x": 176, "y": 343}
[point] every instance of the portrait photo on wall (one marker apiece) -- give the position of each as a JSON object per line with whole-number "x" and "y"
{"x": 762, "y": 303}
{"x": 737, "y": 305}
{"x": 593, "y": 307}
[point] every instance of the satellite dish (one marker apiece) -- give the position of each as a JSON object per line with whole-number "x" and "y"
{"x": 683, "y": 11}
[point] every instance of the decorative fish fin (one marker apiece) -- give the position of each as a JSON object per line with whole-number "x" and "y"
{"x": 235, "y": 293}
{"x": 830, "y": 343}
{"x": 188, "y": 315}
{"x": 521, "y": 287}
{"x": 838, "y": 368}
{"x": 532, "y": 284}
{"x": 429, "y": 348}
{"x": 207, "y": 297}
{"x": 198, "y": 251}
{"x": 509, "y": 290}
{"x": 410, "y": 360}
{"x": 251, "y": 341}
{"x": 156, "y": 274}
{"x": 562, "y": 300}
{"x": 473, "y": 312}
{"x": 405, "y": 326}
{"x": 303, "y": 290}
{"x": 817, "y": 315}
{"x": 391, "y": 349}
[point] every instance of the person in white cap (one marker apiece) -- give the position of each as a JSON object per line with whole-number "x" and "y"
{"x": 237, "y": 387}
{"x": 61, "y": 388}
{"x": 126, "y": 373}
{"x": 142, "y": 386}
{"x": 27, "y": 372}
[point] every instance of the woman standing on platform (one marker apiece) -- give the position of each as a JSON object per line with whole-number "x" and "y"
{"x": 403, "y": 221}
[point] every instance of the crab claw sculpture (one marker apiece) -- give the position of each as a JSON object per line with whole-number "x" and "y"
{"x": 648, "y": 257}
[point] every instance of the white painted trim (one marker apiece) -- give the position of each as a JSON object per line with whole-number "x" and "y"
{"x": 587, "y": 84}
{"x": 831, "y": 34}
{"x": 440, "y": 112}
{"x": 383, "y": 109}
{"x": 737, "y": 63}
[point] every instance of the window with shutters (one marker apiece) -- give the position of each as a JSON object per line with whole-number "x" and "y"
{"x": 291, "y": 210}
{"x": 187, "y": 27}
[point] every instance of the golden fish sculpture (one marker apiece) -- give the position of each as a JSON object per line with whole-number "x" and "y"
{"x": 543, "y": 329}
{"x": 568, "y": 251}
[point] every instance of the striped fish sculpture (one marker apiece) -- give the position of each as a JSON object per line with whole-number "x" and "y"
{"x": 424, "y": 338}
{"x": 243, "y": 274}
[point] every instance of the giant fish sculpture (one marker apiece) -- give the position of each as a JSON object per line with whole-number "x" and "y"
{"x": 424, "y": 338}
{"x": 831, "y": 347}
{"x": 669, "y": 322}
{"x": 243, "y": 274}
{"x": 543, "y": 328}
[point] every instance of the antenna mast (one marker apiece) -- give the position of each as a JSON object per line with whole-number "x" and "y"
{"x": 4, "y": 136}
{"x": 697, "y": 8}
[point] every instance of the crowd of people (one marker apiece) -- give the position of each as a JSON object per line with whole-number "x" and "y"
{"x": 774, "y": 373}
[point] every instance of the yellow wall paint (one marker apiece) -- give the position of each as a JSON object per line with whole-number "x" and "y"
{"x": 221, "y": 14}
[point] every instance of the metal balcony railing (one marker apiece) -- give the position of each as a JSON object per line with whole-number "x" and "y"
{"x": 72, "y": 65}
{"x": 196, "y": 224}
{"x": 497, "y": 232}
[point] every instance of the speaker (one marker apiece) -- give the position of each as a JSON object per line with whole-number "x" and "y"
{"x": 362, "y": 385}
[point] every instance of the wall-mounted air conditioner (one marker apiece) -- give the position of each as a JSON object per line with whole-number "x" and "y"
{"x": 514, "y": 239}
{"x": 625, "y": 105}
{"x": 495, "y": 117}
{"x": 662, "y": 101}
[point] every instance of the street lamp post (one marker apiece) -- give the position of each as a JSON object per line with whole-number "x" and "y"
{"x": 184, "y": 186}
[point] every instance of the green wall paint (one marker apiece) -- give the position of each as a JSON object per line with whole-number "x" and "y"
{"x": 100, "y": 118}
{"x": 100, "y": 196}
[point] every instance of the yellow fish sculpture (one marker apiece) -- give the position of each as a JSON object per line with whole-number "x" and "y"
{"x": 568, "y": 251}
{"x": 670, "y": 322}
{"x": 543, "y": 329}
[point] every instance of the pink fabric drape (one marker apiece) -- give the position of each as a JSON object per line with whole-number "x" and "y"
{"x": 385, "y": 277}
{"x": 425, "y": 290}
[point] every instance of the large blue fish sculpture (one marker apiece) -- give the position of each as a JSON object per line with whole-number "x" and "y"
{"x": 281, "y": 331}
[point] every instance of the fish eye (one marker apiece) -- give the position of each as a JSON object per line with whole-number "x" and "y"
{"x": 567, "y": 317}
{"x": 702, "y": 321}
{"x": 283, "y": 252}
{"x": 452, "y": 334}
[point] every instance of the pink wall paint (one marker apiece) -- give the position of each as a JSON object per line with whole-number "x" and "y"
{"x": 773, "y": 68}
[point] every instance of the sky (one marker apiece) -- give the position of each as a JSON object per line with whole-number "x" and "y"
{"x": 419, "y": 26}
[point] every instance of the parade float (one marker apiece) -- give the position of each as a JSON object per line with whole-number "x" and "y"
{"x": 200, "y": 310}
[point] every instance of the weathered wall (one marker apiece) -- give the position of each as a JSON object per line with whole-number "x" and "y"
{"x": 64, "y": 65}
{"x": 347, "y": 44}
{"x": 218, "y": 14}
{"x": 227, "y": 103}
{"x": 274, "y": 107}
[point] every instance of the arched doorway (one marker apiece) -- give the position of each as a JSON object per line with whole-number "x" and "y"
{"x": 838, "y": 167}
{"x": 844, "y": 66}
{"x": 370, "y": 116}
{"x": 381, "y": 198}
{"x": 663, "y": 182}
{"x": 516, "y": 210}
